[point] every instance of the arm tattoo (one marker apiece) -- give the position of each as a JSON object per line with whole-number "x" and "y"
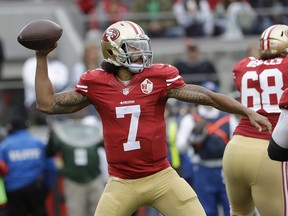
{"x": 193, "y": 94}
{"x": 68, "y": 102}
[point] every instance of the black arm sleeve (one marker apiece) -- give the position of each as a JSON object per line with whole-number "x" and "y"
{"x": 276, "y": 152}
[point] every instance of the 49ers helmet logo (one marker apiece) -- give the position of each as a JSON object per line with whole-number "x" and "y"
{"x": 112, "y": 33}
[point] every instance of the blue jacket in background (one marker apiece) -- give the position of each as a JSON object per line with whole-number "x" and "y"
{"x": 25, "y": 157}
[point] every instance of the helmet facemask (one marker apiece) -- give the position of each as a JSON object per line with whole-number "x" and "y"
{"x": 137, "y": 54}
{"x": 134, "y": 54}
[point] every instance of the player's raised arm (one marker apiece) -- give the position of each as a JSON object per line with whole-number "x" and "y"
{"x": 46, "y": 99}
{"x": 200, "y": 95}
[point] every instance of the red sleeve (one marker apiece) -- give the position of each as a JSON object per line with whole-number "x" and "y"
{"x": 82, "y": 85}
{"x": 283, "y": 104}
{"x": 90, "y": 79}
{"x": 173, "y": 79}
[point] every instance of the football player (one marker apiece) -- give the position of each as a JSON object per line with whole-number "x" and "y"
{"x": 278, "y": 145}
{"x": 130, "y": 94}
{"x": 252, "y": 178}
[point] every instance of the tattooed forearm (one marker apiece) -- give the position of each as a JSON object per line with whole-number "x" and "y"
{"x": 61, "y": 103}
{"x": 68, "y": 102}
{"x": 193, "y": 94}
{"x": 199, "y": 95}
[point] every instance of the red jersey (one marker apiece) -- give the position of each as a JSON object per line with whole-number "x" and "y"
{"x": 261, "y": 83}
{"x": 132, "y": 115}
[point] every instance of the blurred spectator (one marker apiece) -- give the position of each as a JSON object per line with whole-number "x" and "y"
{"x": 195, "y": 16}
{"x": 116, "y": 10}
{"x": 30, "y": 173}
{"x": 59, "y": 75}
{"x": 208, "y": 131}
{"x": 235, "y": 18}
{"x": 220, "y": 20}
{"x": 107, "y": 12}
{"x": 213, "y": 4}
{"x": 11, "y": 102}
{"x": 91, "y": 59}
{"x": 252, "y": 50}
{"x": 172, "y": 121}
{"x": 195, "y": 68}
{"x": 93, "y": 35}
{"x": 186, "y": 155}
{"x": 87, "y": 7}
{"x": 267, "y": 3}
{"x": 77, "y": 140}
{"x": 276, "y": 15}
{"x": 154, "y": 23}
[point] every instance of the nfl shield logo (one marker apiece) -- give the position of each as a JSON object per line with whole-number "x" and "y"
{"x": 125, "y": 91}
{"x": 146, "y": 86}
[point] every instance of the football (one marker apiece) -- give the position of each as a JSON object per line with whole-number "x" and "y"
{"x": 40, "y": 34}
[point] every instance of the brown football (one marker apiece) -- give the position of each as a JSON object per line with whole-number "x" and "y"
{"x": 40, "y": 34}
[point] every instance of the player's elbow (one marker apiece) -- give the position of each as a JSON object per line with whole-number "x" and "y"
{"x": 276, "y": 152}
{"x": 44, "y": 108}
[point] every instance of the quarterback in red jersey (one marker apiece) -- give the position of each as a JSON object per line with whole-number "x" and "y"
{"x": 278, "y": 145}
{"x": 252, "y": 178}
{"x": 130, "y": 94}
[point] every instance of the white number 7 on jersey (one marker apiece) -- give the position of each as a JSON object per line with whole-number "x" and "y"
{"x": 134, "y": 110}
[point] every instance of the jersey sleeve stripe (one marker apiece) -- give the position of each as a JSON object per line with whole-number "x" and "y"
{"x": 82, "y": 88}
{"x": 172, "y": 80}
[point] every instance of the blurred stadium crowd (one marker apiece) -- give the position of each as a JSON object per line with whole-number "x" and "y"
{"x": 192, "y": 18}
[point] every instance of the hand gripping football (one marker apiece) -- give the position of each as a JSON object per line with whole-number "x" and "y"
{"x": 40, "y": 34}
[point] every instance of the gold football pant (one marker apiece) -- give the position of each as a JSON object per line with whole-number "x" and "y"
{"x": 253, "y": 179}
{"x": 165, "y": 191}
